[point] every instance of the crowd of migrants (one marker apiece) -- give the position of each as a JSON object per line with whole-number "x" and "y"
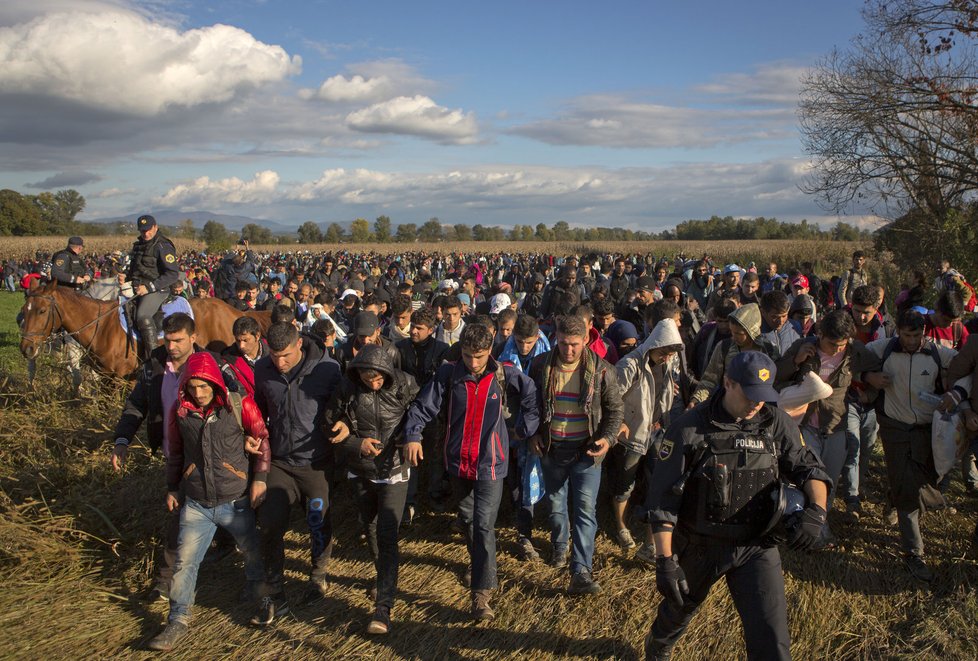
{"x": 449, "y": 380}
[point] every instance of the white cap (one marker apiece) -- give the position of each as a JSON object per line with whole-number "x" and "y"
{"x": 499, "y": 302}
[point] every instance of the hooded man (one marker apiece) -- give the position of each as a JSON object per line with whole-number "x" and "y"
{"x": 745, "y": 335}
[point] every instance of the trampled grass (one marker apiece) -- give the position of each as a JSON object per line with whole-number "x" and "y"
{"x": 76, "y": 547}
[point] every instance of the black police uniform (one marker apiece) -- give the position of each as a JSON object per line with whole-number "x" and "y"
{"x": 152, "y": 263}
{"x": 713, "y": 482}
{"x": 67, "y": 267}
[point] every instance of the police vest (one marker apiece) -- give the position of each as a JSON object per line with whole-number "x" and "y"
{"x": 145, "y": 261}
{"x": 730, "y": 491}
{"x": 67, "y": 263}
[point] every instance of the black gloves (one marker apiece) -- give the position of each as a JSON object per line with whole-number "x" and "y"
{"x": 670, "y": 580}
{"x": 807, "y": 532}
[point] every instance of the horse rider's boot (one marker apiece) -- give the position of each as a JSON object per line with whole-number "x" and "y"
{"x": 148, "y": 336}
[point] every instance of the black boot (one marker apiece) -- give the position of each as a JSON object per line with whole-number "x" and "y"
{"x": 149, "y": 339}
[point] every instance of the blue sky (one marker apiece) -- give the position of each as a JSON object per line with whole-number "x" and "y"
{"x": 640, "y": 114}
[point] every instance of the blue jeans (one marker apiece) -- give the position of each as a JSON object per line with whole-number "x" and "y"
{"x": 861, "y": 431}
{"x": 831, "y": 449}
{"x": 11, "y": 283}
{"x": 477, "y": 508}
{"x": 197, "y": 527}
{"x": 570, "y": 470}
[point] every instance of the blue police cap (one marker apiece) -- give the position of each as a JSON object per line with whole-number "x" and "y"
{"x": 754, "y": 372}
{"x": 144, "y": 223}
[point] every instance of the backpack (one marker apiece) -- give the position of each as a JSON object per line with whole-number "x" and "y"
{"x": 234, "y": 399}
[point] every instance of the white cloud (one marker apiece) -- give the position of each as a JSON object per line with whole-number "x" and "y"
{"x": 204, "y": 192}
{"x": 339, "y": 89}
{"x": 417, "y": 115}
{"x": 370, "y": 82}
{"x": 121, "y": 61}
{"x": 109, "y": 193}
{"x": 775, "y": 83}
{"x": 619, "y": 121}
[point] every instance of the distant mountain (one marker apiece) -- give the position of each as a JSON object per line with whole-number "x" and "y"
{"x": 174, "y": 218}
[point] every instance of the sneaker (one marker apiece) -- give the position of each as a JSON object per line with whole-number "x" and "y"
{"x": 558, "y": 559}
{"x": 481, "y": 610}
{"x": 583, "y": 583}
{"x": 854, "y": 509}
{"x": 380, "y": 623}
{"x": 467, "y": 577}
{"x": 526, "y": 552}
{"x": 891, "y": 517}
{"x": 457, "y": 527}
{"x": 625, "y": 539}
{"x": 646, "y": 554}
{"x": 167, "y": 639}
{"x": 372, "y": 593}
{"x": 917, "y": 567}
{"x": 408, "y": 515}
{"x": 270, "y": 608}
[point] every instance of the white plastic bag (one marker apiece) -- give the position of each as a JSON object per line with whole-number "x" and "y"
{"x": 944, "y": 442}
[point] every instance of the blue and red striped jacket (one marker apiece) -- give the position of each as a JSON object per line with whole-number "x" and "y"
{"x": 476, "y": 439}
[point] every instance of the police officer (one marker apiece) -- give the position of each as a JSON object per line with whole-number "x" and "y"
{"x": 713, "y": 503}
{"x": 68, "y": 268}
{"x": 152, "y": 269}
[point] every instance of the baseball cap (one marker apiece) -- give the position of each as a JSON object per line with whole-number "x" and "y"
{"x": 754, "y": 372}
{"x": 76, "y": 241}
{"x": 365, "y": 324}
{"x": 646, "y": 282}
{"x": 145, "y": 222}
{"x": 498, "y": 303}
{"x": 800, "y": 281}
{"x": 730, "y": 268}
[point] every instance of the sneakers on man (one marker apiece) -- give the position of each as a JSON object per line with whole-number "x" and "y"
{"x": 270, "y": 608}
{"x": 481, "y": 610}
{"x": 891, "y": 516}
{"x": 315, "y": 589}
{"x": 380, "y": 623}
{"x": 583, "y": 583}
{"x": 408, "y": 517}
{"x": 159, "y": 592}
{"x": 525, "y": 551}
{"x": 646, "y": 554}
{"x": 625, "y": 539}
{"x": 558, "y": 559}
{"x": 854, "y": 509}
{"x": 167, "y": 639}
{"x": 917, "y": 567}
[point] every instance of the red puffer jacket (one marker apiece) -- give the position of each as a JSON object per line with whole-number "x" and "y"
{"x": 207, "y": 454}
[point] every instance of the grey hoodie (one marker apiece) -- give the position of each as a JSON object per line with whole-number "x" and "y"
{"x": 647, "y": 389}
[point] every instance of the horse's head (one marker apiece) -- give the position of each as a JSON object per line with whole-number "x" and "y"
{"x": 40, "y": 318}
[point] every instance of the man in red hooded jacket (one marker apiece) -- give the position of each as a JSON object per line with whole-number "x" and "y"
{"x": 209, "y": 467}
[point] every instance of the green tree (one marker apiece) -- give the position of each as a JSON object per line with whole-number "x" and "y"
{"x": 215, "y": 235}
{"x": 186, "y": 229}
{"x": 543, "y": 233}
{"x": 406, "y": 233}
{"x": 561, "y": 231}
{"x": 360, "y": 231}
{"x": 256, "y": 233}
{"x": 334, "y": 233}
{"x": 430, "y": 232}
{"x": 70, "y": 204}
{"x": 19, "y": 216}
{"x": 462, "y": 232}
{"x": 382, "y": 229}
{"x": 309, "y": 232}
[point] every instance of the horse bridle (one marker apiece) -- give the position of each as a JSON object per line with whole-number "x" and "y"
{"x": 54, "y": 308}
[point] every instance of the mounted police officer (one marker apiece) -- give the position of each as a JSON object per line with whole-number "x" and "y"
{"x": 715, "y": 496}
{"x": 152, "y": 269}
{"x": 68, "y": 268}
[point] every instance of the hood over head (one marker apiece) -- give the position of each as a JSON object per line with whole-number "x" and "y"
{"x": 370, "y": 357}
{"x": 201, "y": 365}
{"x": 749, "y": 317}
{"x": 665, "y": 334}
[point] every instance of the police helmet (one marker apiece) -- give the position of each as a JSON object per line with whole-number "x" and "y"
{"x": 789, "y": 502}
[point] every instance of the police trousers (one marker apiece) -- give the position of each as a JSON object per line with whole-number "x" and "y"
{"x": 756, "y": 585}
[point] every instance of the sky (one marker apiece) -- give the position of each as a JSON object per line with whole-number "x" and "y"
{"x": 637, "y": 114}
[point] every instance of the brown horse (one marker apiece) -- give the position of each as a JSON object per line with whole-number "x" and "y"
{"x": 95, "y": 325}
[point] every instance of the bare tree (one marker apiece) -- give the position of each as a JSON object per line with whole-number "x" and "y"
{"x": 891, "y": 123}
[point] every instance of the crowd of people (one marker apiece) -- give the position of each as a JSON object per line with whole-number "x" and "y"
{"x": 725, "y": 408}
